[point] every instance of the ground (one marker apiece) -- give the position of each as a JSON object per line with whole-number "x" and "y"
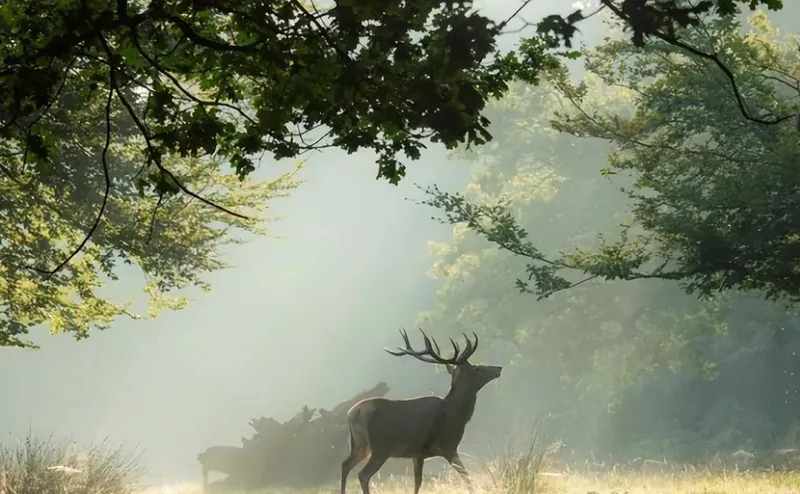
{"x": 685, "y": 482}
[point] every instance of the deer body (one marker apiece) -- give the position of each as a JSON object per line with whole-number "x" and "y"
{"x": 387, "y": 421}
{"x": 417, "y": 428}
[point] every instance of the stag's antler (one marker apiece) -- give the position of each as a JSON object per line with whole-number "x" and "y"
{"x": 431, "y": 353}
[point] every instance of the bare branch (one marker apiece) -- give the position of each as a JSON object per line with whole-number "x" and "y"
{"x": 712, "y": 57}
{"x": 154, "y": 154}
{"x": 174, "y": 80}
{"x": 106, "y": 177}
{"x": 526, "y": 24}
{"x": 152, "y": 224}
{"x": 514, "y": 15}
{"x": 323, "y": 32}
{"x": 190, "y": 33}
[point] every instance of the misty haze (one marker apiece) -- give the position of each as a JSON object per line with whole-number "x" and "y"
{"x": 623, "y": 249}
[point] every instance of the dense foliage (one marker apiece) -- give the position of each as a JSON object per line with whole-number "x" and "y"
{"x": 384, "y": 77}
{"x": 634, "y": 368}
{"x": 116, "y": 116}
{"x": 118, "y": 120}
{"x": 367, "y": 76}
{"x": 713, "y": 193}
{"x": 50, "y": 273}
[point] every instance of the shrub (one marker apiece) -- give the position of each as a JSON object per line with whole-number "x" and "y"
{"x": 45, "y": 466}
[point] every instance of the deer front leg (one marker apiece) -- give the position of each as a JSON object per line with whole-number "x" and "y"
{"x": 418, "y": 463}
{"x": 455, "y": 461}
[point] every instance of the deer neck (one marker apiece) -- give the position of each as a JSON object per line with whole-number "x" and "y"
{"x": 459, "y": 405}
{"x": 451, "y": 421}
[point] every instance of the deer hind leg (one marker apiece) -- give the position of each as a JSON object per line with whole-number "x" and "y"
{"x": 374, "y": 464}
{"x": 458, "y": 466}
{"x": 205, "y": 479}
{"x": 418, "y": 463}
{"x": 356, "y": 457}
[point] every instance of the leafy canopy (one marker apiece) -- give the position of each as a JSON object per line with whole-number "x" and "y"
{"x": 712, "y": 191}
{"x": 116, "y": 117}
{"x": 51, "y": 274}
{"x": 366, "y": 75}
{"x": 379, "y": 76}
{"x": 108, "y": 107}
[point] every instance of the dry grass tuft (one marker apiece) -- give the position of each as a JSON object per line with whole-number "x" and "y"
{"x": 45, "y": 466}
{"x": 522, "y": 468}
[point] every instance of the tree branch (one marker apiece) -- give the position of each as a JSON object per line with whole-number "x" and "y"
{"x": 509, "y": 236}
{"x": 106, "y": 177}
{"x": 187, "y": 30}
{"x": 152, "y": 224}
{"x": 324, "y": 33}
{"x": 153, "y": 153}
{"x": 514, "y": 15}
{"x": 179, "y": 86}
{"x": 674, "y": 41}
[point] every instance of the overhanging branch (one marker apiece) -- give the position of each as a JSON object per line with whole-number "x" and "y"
{"x": 154, "y": 154}
{"x": 712, "y": 57}
{"x": 106, "y": 177}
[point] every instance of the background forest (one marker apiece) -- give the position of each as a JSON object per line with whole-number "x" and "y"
{"x": 643, "y": 151}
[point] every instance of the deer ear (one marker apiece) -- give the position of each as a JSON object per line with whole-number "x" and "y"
{"x": 450, "y": 369}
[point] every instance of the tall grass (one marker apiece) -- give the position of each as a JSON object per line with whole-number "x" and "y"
{"x": 520, "y": 468}
{"x": 46, "y": 466}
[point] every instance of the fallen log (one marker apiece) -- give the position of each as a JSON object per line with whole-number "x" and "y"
{"x": 304, "y": 451}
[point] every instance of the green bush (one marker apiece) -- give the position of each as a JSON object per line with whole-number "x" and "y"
{"x": 45, "y": 466}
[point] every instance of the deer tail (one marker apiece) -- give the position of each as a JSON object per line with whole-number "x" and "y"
{"x": 352, "y": 436}
{"x": 352, "y": 417}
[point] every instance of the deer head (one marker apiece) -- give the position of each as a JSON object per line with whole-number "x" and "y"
{"x": 464, "y": 375}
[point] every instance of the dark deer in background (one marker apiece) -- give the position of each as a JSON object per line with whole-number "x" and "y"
{"x": 418, "y": 428}
{"x": 222, "y": 459}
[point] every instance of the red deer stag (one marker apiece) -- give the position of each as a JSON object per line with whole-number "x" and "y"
{"x": 418, "y": 428}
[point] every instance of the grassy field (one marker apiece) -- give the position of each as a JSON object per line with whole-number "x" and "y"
{"x": 44, "y": 466}
{"x": 551, "y": 483}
